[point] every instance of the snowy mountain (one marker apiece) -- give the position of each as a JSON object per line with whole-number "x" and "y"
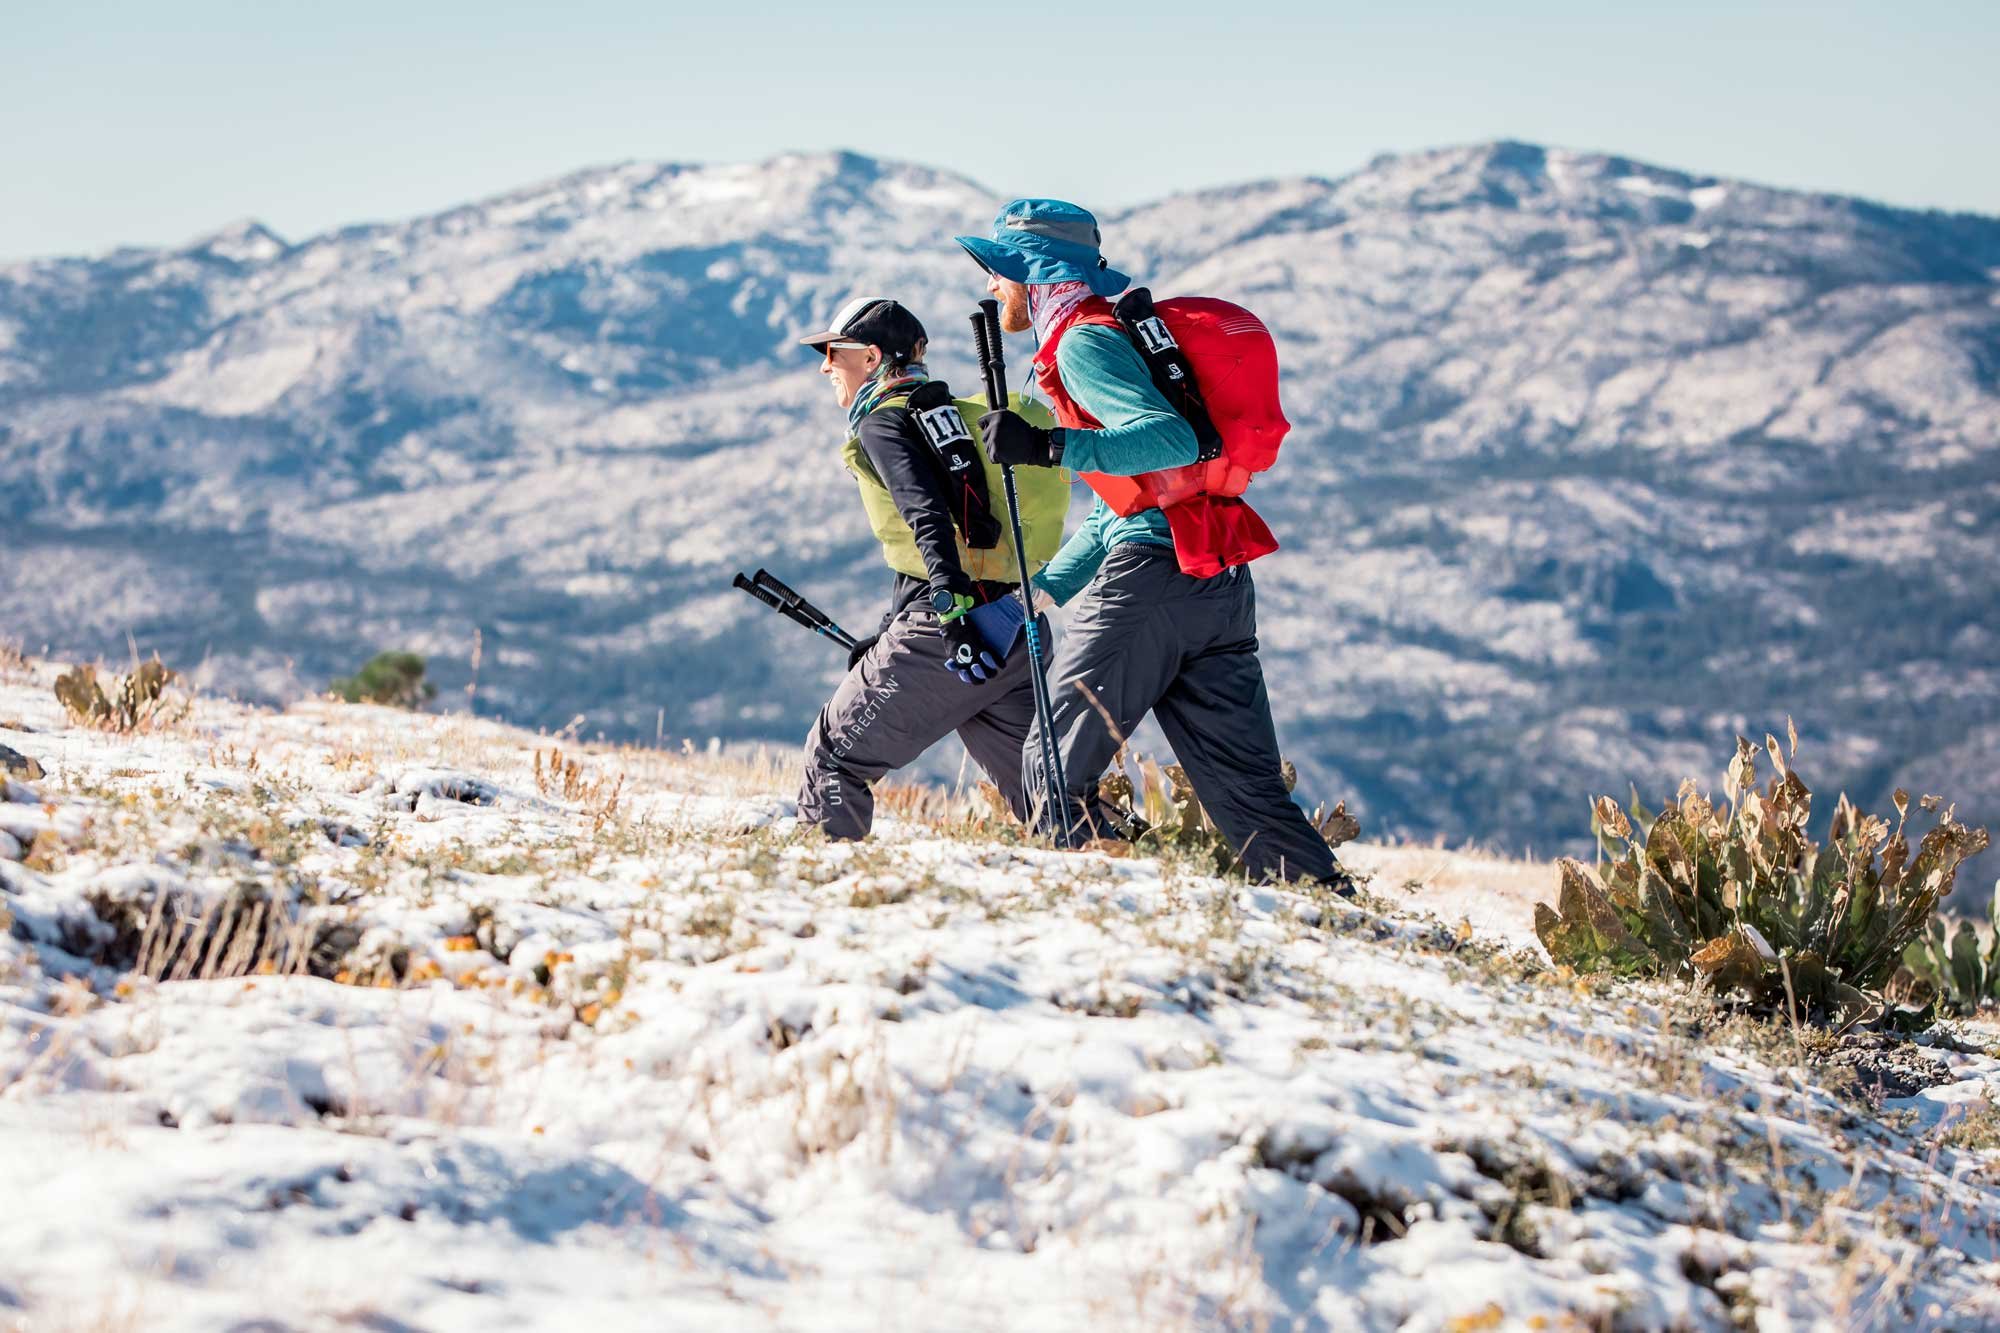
{"x": 1595, "y": 463}
{"x": 344, "y": 1018}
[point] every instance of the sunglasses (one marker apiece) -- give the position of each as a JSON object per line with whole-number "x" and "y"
{"x": 845, "y": 347}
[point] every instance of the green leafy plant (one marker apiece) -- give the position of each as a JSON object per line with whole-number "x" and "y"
{"x": 138, "y": 702}
{"x": 396, "y": 679}
{"x": 1735, "y": 898}
{"x": 1174, "y": 818}
{"x": 1962, "y": 972}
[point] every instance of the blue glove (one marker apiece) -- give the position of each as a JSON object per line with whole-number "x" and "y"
{"x": 1000, "y": 624}
{"x": 966, "y": 653}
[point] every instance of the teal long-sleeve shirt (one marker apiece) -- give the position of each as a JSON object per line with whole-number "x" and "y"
{"x": 1141, "y": 432}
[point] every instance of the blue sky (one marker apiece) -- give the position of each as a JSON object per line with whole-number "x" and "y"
{"x": 128, "y": 123}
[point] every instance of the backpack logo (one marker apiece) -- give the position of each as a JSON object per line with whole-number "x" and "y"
{"x": 943, "y": 426}
{"x": 1153, "y": 332}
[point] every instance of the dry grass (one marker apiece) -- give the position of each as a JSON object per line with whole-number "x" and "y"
{"x": 563, "y": 778}
{"x": 980, "y": 812}
{"x": 1496, "y": 893}
{"x": 111, "y": 1312}
{"x": 1978, "y": 1130}
{"x": 173, "y": 938}
{"x": 759, "y": 772}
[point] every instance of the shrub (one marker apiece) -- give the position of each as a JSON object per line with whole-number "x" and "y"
{"x": 138, "y": 703}
{"x": 1953, "y": 964}
{"x": 396, "y": 679}
{"x": 1735, "y": 898}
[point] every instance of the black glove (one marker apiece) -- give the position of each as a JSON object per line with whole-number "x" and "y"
{"x": 860, "y": 650}
{"x": 966, "y": 652}
{"x": 1012, "y": 439}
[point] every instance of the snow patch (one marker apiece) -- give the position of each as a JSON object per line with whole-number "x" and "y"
{"x": 1649, "y": 187}
{"x": 224, "y": 382}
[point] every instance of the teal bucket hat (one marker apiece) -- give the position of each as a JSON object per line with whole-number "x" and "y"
{"x": 1039, "y": 241}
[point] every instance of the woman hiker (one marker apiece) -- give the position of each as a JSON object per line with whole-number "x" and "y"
{"x": 946, "y": 658}
{"x": 1143, "y": 636}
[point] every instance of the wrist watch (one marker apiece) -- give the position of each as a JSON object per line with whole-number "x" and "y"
{"x": 943, "y": 601}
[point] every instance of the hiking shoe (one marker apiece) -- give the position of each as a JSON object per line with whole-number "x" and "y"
{"x": 1341, "y": 882}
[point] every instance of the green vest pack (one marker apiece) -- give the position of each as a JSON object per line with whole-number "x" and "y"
{"x": 1042, "y": 491}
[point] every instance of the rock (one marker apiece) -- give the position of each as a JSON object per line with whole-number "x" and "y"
{"x": 18, "y": 793}
{"x": 445, "y": 785}
{"x": 23, "y": 766}
{"x": 342, "y": 834}
{"x": 1888, "y": 1068}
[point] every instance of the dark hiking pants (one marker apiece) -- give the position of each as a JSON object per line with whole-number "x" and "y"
{"x": 1144, "y": 636}
{"x": 896, "y": 702}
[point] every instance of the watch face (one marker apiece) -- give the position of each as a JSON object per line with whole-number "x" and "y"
{"x": 942, "y": 602}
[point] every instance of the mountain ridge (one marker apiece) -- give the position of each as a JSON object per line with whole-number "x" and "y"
{"x": 1502, "y": 147}
{"x": 1596, "y": 464}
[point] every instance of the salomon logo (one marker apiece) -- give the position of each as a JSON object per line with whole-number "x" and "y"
{"x": 1153, "y": 332}
{"x": 943, "y": 425}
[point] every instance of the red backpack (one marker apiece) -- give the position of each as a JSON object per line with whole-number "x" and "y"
{"x": 1216, "y": 364}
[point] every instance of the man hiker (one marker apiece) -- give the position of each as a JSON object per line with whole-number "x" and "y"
{"x": 1144, "y": 635}
{"x": 947, "y": 657}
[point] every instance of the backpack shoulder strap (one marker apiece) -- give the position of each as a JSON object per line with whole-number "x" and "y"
{"x": 1172, "y": 372}
{"x": 931, "y": 393}
{"x": 942, "y": 421}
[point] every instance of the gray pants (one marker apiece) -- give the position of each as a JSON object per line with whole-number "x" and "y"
{"x": 897, "y": 702}
{"x": 1144, "y": 636}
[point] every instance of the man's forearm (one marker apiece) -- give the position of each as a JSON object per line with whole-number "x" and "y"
{"x": 1126, "y": 451}
{"x": 1074, "y": 565}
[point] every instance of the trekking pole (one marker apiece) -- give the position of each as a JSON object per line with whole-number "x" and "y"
{"x": 768, "y": 582}
{"x": 793, "y": 612}
{"x": 993, "y": 365}
{"x": 777, "y": 604}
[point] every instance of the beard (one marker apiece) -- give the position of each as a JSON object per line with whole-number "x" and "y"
{"x": 1014, "y": 317}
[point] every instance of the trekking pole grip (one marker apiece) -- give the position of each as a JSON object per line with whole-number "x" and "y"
{"x": 979, "y": 346}
{"x": 992, "y": 353}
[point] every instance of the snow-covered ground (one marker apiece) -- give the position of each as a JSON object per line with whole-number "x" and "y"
{"x": 458, "y": 1046}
